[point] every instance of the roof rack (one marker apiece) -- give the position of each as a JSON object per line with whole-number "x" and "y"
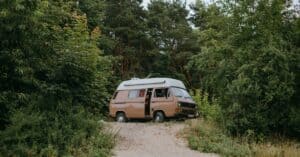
{"x": 150, "y": 83}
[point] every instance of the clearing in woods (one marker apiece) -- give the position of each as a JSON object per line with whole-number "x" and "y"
{"x": 152, "y": 140}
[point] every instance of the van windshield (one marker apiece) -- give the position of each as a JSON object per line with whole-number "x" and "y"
{"x": 179, "y": 92}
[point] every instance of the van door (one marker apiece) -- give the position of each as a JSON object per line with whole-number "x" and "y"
{"x": 163, "y": 100}
{"x": 136, "y": 103}
{"x": 148, "y": 101}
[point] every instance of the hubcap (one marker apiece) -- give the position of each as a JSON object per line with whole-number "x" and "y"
{"x": 157, "y": 118}
{"x": 120, "y": 119}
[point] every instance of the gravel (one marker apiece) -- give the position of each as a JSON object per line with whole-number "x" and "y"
{"x": 152, "y": 140}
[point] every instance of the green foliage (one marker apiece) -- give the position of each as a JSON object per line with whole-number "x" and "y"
{"x": 209, "y": 110}
{"x": 173, "y": 38}
{"x": 206, "y": 137}
{"x": 51, "y": 134}
{"x": 95, "y": 11}
{"x": 53, "y": 81}
{"x": 245, "y": 62}
{"x": 124, "y": 37}
{"x": 143, "y": 42}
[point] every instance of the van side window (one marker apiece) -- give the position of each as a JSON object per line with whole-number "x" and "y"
{"x": 142, "y": 93}
{"x": 161, "y": 92}
{"x": 115, "y": 95}
{"x": 136, "y": 93}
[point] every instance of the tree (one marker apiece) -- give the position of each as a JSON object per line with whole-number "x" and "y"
{"x": 245, "y": 61}
{"x": 213, "y": 29}
{"x": 173, "y": 38}
{"x": 17, "y": 80}
{"x": 53, "y": 80}
{"x": 125, "y": 37}
{"x": 94, "y": 10}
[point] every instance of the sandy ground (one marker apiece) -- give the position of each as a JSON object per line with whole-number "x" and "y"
{"x": 146, "y": 139}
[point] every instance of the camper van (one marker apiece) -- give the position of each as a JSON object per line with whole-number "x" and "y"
{"x": 152, "y": 98}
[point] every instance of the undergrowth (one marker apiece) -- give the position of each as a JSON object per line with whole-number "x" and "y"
{"x": 208, "y": 134}
{"x": 35, "y": 134}
{"x": 204, "y": 136}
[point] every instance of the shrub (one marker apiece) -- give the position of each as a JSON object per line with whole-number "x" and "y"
{"x": 53, "y": 134}
{"x": 252, "y": 69}
{"x": 53, "y": 82}
{"x": 209, "y": 110}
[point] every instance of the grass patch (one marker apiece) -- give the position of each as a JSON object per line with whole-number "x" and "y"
{"x": 278, "y": 149}
{"x": 205, "y": 136}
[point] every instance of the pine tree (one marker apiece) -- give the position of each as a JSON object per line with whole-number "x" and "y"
{"x": 173, "y": 38}
{"x": 125, "y": 37}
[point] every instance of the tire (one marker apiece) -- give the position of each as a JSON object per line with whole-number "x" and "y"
{"x": 159, "y": 117}
{"x": 120, "y": 117}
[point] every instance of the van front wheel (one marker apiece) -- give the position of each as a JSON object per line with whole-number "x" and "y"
{"x": 159, "y": 117}
{"x": 121, "y": 117}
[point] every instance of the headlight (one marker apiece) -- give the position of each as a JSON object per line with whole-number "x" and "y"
{"x": 178, "y": 104}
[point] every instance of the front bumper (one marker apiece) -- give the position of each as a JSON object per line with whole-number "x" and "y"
{"x": 187, "y": 113}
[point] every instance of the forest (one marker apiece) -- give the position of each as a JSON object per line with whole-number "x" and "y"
{"x": 61, "y": 60}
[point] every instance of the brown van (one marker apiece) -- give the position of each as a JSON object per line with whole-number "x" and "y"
{"x": 153, "y": 98}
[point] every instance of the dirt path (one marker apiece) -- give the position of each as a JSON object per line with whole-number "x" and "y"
{"x": 152, "y": 140}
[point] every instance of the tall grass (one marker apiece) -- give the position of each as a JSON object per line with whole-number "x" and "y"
{"x": 280, "y": 149}
{"x": 206, "y": 137}
{"x": 206, "y": 134}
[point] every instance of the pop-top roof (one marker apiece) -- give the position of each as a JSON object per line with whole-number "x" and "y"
{"x": 150, "y": 83}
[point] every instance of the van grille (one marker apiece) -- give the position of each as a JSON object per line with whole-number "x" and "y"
{"x": 188, "y": 111}
{"x": 188, "y": 105}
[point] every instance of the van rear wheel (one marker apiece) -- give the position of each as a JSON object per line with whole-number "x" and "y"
{"x": 120, "y": 117}
{"x": 159, "y": 117}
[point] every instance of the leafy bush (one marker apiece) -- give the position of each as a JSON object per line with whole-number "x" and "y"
{"x": 250, "y": 66}
{"x": 209, "y": 110}
{"x": 53, "y": 134}
{"x": 53, "y": 82}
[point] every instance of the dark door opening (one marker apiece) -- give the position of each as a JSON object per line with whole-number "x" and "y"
{"x": 147, "y": 101}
